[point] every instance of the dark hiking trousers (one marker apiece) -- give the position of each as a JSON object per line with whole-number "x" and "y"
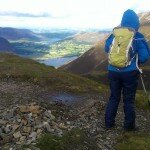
{"x": 124, "y": 83}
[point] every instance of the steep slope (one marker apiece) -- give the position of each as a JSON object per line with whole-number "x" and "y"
{"x": 95, "y": 59}
{"x": 5, "y": 46}
{"x": 89, "y": 37}
{"x": 145, "y": 18}
{"x": 145, "y": 24}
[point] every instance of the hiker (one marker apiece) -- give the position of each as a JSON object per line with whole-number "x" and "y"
{"x": 126, "y": 48}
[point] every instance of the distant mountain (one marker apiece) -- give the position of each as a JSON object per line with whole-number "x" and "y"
{"x": 57, "y": 34}
{"x": 17, "y": 34}
{"x": 95, "y": 59}
{"x": 145, "y": 24}
{"x": 75, "y": 45}
{"x": 145, "y": 18}
{"x": 89, "y": 37}
{"x": 5, "y": 46}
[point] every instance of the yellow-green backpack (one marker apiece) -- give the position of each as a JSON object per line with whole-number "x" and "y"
{"x": 119, "y": 54}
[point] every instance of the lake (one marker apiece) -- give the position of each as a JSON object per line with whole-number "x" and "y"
{"x": 57, "y": 62}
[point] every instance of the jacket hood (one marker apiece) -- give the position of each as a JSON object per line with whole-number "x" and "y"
{"x": 130, "y": 19}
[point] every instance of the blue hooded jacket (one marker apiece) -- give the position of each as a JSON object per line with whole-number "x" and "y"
{"x": 140, "y": 46}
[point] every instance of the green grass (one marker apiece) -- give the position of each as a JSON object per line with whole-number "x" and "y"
{"x": 71, "y": 140}
{"x": 142, "y": 100}
{"x": 132, "y": 141}
{"x": 22, "y": 69}
{"x": 67, "y": 48}
{"x": 98, "y": 76}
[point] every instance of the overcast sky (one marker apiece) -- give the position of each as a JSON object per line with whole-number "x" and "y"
{"x": 66, "y": 13}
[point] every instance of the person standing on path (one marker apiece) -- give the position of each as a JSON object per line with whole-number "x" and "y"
{"x": 124, "y": 80}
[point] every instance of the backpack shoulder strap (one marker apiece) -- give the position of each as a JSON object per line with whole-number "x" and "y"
{"x": 140, "y": 37}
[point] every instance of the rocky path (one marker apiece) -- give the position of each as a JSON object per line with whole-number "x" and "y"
{"x": 27, "y": 111}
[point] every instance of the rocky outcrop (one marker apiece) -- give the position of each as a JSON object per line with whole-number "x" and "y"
{"x": 25, "y": 123}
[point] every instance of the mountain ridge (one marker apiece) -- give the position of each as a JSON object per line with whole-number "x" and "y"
{"x": 10, "y": 33}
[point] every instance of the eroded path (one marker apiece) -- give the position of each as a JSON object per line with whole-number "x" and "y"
{"x": 85, "y": 111}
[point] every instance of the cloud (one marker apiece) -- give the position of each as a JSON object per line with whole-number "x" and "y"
{"x": 67, "y": 13}
{"x": 29, "y": 15}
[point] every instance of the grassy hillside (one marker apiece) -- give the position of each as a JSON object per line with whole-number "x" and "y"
{"x": 132, "y": 141}
{"x": 21, "y": 69}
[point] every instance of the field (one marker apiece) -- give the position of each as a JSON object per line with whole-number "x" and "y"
{"x": 67, "y": 48}
{"x": 39, "y": 50}
{"x": 30, "y": 49}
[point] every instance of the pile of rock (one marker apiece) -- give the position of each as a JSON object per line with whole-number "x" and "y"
{"x": 24, "y": 124}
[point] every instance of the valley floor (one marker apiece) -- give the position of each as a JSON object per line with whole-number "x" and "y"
{"x": 27, "y": 111}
